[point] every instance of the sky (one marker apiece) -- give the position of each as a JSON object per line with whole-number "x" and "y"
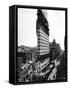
{"x": 27, "y": 26}
{"x": 56, "y": 20}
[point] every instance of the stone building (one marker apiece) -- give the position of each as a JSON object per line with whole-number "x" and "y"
{"x": 42, "y": 29}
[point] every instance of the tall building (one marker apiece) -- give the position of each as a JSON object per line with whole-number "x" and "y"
{"x": 42, "y": 30}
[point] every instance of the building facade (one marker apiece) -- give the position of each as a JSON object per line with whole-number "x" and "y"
{"x": 42, "y": 29}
